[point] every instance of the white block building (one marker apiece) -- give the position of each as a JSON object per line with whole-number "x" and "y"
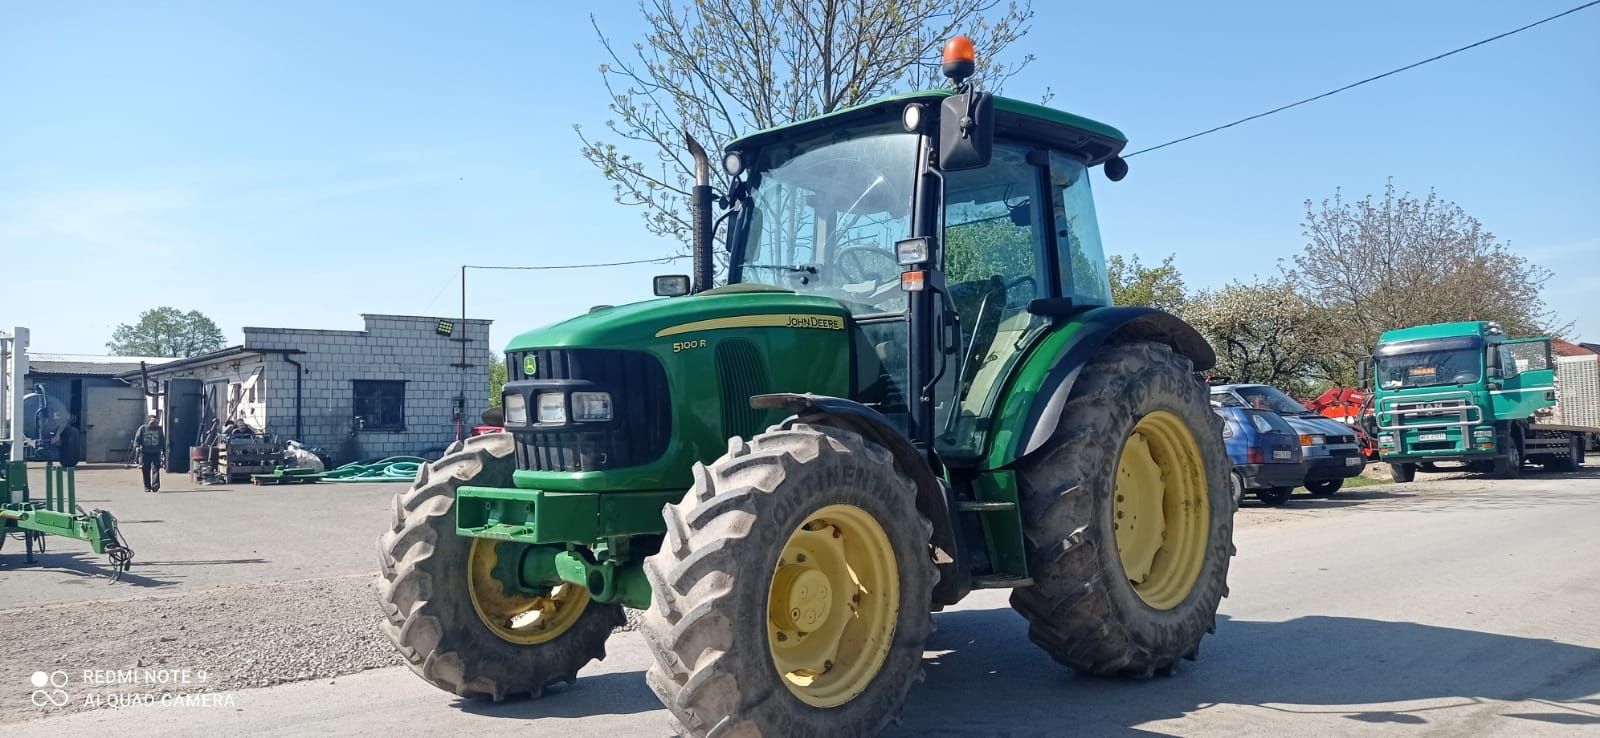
{"x": 403, "y": 386}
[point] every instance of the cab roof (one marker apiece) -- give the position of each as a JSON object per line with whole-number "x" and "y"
{"x": 1477, "y": 328}
{"x": 1094, "y": 140}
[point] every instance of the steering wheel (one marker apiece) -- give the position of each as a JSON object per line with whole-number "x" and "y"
{"x": 855, "y": 265}
{"x": 1033, "y": 289}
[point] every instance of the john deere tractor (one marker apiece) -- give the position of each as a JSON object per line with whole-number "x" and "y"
{"x": 910, "y": 385}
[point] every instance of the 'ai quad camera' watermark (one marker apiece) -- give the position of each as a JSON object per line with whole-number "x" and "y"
{"x": 91, "y": 688}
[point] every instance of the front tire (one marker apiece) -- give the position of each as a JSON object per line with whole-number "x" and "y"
{"x": 440, "y": 623}
{"x": 1509, "y": 465}
{"x": 1324, "y": 488}
{"x": 791, "y": 595}
{"x": 1128, "y": 515}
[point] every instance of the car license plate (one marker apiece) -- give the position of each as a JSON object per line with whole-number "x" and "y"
{"x": 1353, "y": 461}
{"x": 1432, "y": 437}
{"x": 1284, "y": 454}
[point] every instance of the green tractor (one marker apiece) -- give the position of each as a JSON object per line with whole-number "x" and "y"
{"x": 911, "y": 385}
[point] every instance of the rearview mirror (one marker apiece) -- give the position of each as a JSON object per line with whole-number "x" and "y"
{"x": 672, "y": 285}
{"x": 1492, "y": 361}
{"x": 1364, "y": 374}
{"x": 966, "y": 131}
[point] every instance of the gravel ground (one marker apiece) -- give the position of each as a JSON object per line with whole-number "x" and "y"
{"x": 240, "y": 637}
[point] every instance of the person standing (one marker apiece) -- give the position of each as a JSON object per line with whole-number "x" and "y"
{"x": 149, "y": 441}
{"x": 69, "y": 443}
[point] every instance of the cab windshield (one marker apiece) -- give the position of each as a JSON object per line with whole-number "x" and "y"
{"x": 825, "y": 214}
{"x": 1429, "y": 363}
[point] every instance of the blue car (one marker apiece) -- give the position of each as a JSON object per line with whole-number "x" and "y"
{"x": 1331, "y": 451}
{"x": 1265, "y": 451}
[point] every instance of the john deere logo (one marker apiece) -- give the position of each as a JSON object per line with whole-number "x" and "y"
{"x": 530, "y": 365}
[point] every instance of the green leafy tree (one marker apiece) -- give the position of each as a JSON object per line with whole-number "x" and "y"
{"x": 1133, "y": 283}
{"x": 166, "y": 331}
{"x": 1397, "y": 260}
{"x": 1264, "y": 331}
{"x": 723, "y": 68}
{"x": 497, "y": 381}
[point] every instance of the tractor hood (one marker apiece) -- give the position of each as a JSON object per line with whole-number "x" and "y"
{"x": 656, "y": 324}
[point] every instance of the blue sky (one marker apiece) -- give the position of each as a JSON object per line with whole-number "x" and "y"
{"x": 297, "y": 164}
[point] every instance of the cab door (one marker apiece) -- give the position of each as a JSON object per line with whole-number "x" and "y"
{"x": 996, "y": 221}
{"x": 1527, "y": 378}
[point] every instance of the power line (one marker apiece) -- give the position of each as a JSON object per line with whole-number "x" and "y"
{"x": 657, "y": 260}
{"x": 1398, "y": 70}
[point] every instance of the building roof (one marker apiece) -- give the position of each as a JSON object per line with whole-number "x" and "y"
{"x": 219, "y": 354}
{"x": 89, "y": 365}
{"x": 1566, "y": 348}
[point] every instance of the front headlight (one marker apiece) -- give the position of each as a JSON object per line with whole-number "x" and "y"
{"x": 552, "y": 407}
{"x": 516, "y": 407}
{"x": 591, "y": 406}
{"x": 1313, "y": 439}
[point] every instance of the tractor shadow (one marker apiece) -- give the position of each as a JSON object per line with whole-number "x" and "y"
{"x": 1352, "y": 667}
{"x": 614, "y": 693}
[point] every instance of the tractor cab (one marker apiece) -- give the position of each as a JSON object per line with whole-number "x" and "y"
{"x": 951, "y": 267}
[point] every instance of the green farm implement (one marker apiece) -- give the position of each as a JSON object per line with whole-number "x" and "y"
{"x": 911, "y": 384}
{"x": 57, "y": 514}
{"x": 27, "y": 516}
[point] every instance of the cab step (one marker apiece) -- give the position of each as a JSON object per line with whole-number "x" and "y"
{"x": 975, "y": 506}
{"x": 1000, "y": 581}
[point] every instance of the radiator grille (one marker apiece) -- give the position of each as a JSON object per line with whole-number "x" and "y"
{"x": 640, "y": 405}
{"x": 741, "y": 374}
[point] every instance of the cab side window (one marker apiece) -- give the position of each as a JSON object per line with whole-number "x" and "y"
{"x": 1083, "y": 262}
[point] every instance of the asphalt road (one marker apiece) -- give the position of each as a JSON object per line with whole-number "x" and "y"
{"x": 1455, "y": 607}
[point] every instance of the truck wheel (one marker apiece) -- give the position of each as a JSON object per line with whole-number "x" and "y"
{"x": 1567, "y": 462}
{"x": 1324, "y": 488}
{"x": 1128, "y": 516}
{"x": 791, "y": 595}
{"x": 1509, "y": 465}
{"x": 1402, "y": 472}
{"x": 1274, "y": 496}
{"x": 446, "y": 612}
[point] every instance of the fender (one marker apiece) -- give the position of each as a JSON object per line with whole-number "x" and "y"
{"x": 933, "y": 497}
{"x": 1039, "y": 390}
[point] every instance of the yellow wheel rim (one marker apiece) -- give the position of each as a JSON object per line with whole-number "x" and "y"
{"x": 1162, "y": 511}
{"x": 832, "y": 605}
{"x": 514, "y": 617}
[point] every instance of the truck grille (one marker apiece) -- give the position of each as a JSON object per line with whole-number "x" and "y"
{"x": 640, "y": 406}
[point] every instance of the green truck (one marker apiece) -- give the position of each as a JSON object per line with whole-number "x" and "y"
{"x": 1465, "y": 392}
{"x": 910, "y": 385}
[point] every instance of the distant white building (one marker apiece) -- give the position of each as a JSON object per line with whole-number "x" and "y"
{"x": 405, "y": 385}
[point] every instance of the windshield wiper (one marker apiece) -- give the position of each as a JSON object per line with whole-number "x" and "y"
{"x": 793, "y": 269}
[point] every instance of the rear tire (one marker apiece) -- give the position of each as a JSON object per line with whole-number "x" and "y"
{"x": 730, "y": 543}
{"x": 1402, "y": 472}
{"x": 1236, "y": 485}
{"x": 1083, "y": 609}
{"x": 1568, "y": 462}
{"x": 1274, "y": 496}
{"x": 427, "y": 603}
{"x": 1324, "y": 488}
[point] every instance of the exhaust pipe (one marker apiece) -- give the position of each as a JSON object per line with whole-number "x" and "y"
{"x": 700, "y": 204}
